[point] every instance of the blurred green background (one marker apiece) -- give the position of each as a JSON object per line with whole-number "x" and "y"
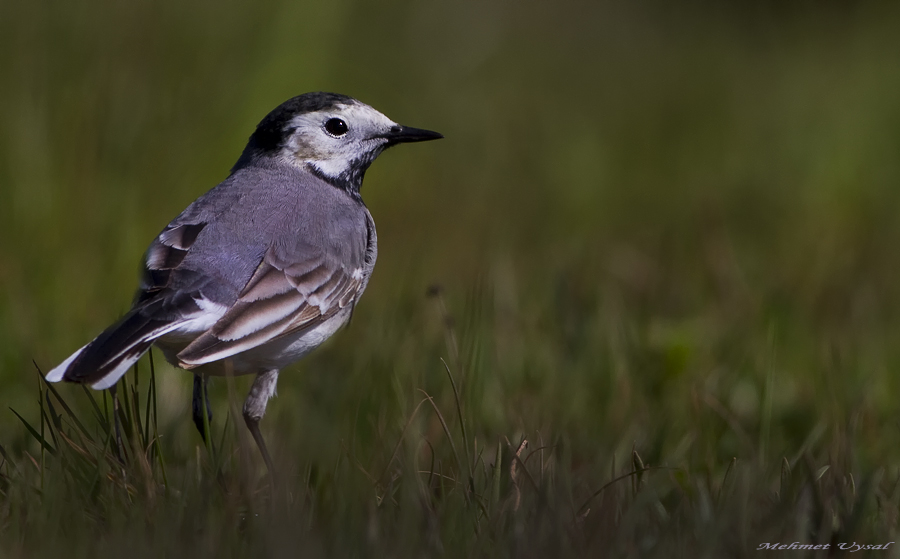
{"x": 669, "y": 226}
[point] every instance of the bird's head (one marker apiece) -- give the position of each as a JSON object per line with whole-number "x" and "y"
{"x": 333, "y": 136}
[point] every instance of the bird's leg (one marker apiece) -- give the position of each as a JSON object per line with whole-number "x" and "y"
{"x": 198, "y": 402}
{"x": 255, "y": 408}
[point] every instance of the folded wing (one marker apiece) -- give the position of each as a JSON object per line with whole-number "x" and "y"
{"x": 280, "y": 299}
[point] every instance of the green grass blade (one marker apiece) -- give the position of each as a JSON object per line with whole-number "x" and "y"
{"x": 44, "y": 444}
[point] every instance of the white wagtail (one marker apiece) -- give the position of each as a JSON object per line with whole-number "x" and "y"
{"x": 263, "y": 268}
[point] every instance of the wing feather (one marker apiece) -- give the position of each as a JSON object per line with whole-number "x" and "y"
{"x": 247, "y": 317}
{"x": 277, "y": 301}
{"x": 165, "y": 254}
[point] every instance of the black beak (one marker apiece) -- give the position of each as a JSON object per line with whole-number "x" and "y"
{"x": 404, "y": 134}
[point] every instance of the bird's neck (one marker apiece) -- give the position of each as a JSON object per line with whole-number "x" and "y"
{"x": 350, "y": 180}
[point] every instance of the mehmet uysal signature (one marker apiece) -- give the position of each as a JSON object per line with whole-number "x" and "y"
{"x": 851, "y": 547}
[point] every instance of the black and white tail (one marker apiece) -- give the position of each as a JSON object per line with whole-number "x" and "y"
{"x": 102, "y": 362}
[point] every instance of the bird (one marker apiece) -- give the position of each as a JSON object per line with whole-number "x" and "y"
{"x": 264, "y": 267}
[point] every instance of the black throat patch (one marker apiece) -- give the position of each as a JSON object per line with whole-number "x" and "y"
{"x": 350, "y": 181}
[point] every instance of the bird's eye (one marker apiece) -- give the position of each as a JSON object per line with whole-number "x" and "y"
{"x": 336, "y": 127}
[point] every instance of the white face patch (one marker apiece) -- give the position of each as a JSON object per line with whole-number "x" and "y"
{"x": 332, "y": 154}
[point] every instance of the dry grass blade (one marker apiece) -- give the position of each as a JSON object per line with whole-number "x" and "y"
{"x": 528, "y": 476}
{"x": 729, "y": 418}
{"x": 785, "y": 479}
{"x": 638, "y": 467}
{"x": 514, "y": 472}
{"x": 462, "y": 422}
{"x": 540, "y": 450}
{"x": 155, "y": 407}
{"x": 441, "y": 476}
{"x": 431, "y": 468}
{"x": 606, "y": 485}
{"x": 446, "y": 432}
{"x": 400, "y": 440}
{"x": 33, "y": 461}
{"x": 495, "y": 479}
{"x": 78, "y": 448}
{"x": 725, "y": 478}
{"x": 7, "y": 459}
{"x": 137, "y": 426}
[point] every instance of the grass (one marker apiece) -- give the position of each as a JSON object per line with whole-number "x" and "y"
{"x": 657, "y": 244}
{"x": 433, "y": 488}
